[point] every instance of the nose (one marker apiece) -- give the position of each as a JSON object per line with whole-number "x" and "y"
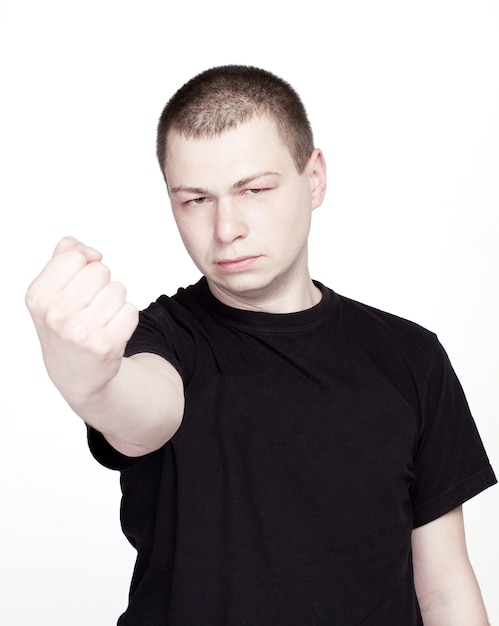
{"x": 229, "y": 224}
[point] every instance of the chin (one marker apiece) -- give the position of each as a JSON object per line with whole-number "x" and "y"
{"x": 242, "y": 285}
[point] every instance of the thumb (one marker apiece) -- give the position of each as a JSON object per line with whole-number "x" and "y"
{"x": 71, "y": 243}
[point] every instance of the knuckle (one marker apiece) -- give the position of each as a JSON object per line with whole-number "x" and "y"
{"x": 86, "y": 338}
{"x": 78, "y": 333}
{"x": 37, "y": 297}
{"x": 97, "y": 273}
{"x": 55, "y": 316}
{"x": 101, "y": 347}
{"x": 103, "y": 271}
{"x": 118, "y": 289}
{"x": 132, "y": 313}
{"x": 130, "y": 316}
{"x": 33, "y": 299}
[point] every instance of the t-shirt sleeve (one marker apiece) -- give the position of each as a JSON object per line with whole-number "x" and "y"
{"x": 156, "y": 333}
{"x": 106, "y": 455}
{"x": 451, "y": 465}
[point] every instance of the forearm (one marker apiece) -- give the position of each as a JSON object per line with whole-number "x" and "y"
{"x": 139, "y": 409}
{"x": 446, "y": 586}
{"x": 84, "y": 322}
{"x": 460, "y": 607}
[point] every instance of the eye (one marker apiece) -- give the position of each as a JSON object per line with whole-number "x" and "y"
{"x": 200, "y": 200}
{"x": 254, "y": 192}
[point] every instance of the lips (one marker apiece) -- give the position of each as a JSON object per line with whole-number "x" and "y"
{"x": 237, "y": 265}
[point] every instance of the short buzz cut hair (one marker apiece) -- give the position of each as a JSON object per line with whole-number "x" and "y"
{"x": 221, "y": 98}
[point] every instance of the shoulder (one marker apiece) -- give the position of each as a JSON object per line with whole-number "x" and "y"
{"x": 373, "y": 318}
{"x": 371, "y": 325}
{"x": 405, "y": 352}
{"x": 177, "y": 312}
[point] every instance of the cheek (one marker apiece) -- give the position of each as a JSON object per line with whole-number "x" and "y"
{"x": 189, "y": 234}
{"x": 294, "y": 216}
{"x": 287, "y": 235}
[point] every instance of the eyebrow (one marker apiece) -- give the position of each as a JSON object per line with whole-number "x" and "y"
{"x": 250, "y": 179}
{"x": 240, "y": 183}
{"x": 196, "y": 190}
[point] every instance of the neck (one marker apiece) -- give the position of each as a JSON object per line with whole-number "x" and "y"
{"x": 288, "y": 299}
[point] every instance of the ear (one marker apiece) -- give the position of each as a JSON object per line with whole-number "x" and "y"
{"x": 317, "y": 171}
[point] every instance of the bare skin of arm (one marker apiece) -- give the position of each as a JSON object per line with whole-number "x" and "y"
{"x": 83, "y": 322}
{"x": 446, "y": 586}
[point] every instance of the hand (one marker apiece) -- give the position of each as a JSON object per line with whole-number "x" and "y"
{"x": 82, "y": 319}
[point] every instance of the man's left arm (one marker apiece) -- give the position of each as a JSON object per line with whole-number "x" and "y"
{"x": 446, "y": 586}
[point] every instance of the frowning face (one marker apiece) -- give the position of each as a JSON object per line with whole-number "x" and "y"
{"x": 244, "y": 211}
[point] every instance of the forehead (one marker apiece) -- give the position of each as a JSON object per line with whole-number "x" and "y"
{"x": 252, "y": 145}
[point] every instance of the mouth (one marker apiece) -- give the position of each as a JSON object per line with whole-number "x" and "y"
{"x": 237, "y": 265}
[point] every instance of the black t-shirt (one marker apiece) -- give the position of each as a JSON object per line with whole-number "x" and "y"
{"x": 312, "y": 444}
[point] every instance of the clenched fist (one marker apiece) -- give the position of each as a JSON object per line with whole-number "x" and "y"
{"x": 82, "y": 319}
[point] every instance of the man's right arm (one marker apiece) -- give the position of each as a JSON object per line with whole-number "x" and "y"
{"x": 83, "y": 322}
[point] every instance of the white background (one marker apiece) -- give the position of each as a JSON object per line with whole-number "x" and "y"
{"x": 404, "y": 100}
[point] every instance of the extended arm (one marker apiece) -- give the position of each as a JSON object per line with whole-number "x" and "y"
{"x": 83, "y": 323}
{"x": 447, "y": 590}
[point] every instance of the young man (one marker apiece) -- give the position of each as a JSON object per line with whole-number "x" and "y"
{"x": 287, "y": 455}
